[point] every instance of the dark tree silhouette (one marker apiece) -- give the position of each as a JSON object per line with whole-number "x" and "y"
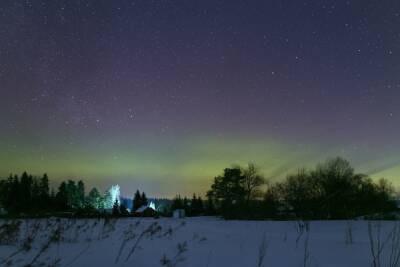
{"x": 252, "y": 182}
{"x": 333, "y": 191}
{"x": 44, "y": 189}
{"x": 137, "y": 201}
{"x": 196, "y": 206}
{"x": 330, "y": 191}
{"x": 115, "y": 210}
{"x": 62, "y": 197}
{"x": 24, "y": 193}
{"x": 228, "y": 193}
{"x": 177, "y": 203}
{"x": 143, "y": 199}
{"x": 209, "y": 206}
{"x": 80, "y": 194}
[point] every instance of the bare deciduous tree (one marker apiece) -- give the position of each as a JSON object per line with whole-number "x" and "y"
{"x": 252, "y": 181}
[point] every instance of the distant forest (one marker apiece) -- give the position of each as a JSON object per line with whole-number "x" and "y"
{"x": 331, "y": 190}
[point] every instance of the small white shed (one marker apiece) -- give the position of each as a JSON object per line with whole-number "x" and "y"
{"x": 179, "y": 213}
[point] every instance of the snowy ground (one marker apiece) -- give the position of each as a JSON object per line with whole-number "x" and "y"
{"x": 202, "y": 241}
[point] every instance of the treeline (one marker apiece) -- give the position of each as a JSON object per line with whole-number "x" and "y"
{"x": 192, "y": 207}
{"x": 31, "y": 195}
{"x": 25, "y": 194}
{"x": 332, "y": 190}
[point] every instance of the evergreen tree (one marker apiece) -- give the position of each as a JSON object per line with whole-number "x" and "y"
{"x": 52, "y": 200}
{"x": 228, "y": 192}
{"x": 137, "y": 201}
{"x": 186, "y": 206}
{"x": 11, "y": 190}
{"x": 210, "y": 208}
{"x": 62, "y": 197}
{"x": 193, "y": 211}
{"x": 72, "y": 195}
{"x": 3, "y": 191}
{"x": 108, "y": 200}
{"x": 94, "y": 199}
{"x": 200, "y": 206}
{"x": 115, "y": 210}
{"x": 143, "y": 199}
{"x": 44, "y": 188}
{"x": 177, "y": 203}
{"x": 36, "y": 205}
{"x": 24, "y": 193}
{"x": 101, "y": 203}
{"x": 80, "y": 194}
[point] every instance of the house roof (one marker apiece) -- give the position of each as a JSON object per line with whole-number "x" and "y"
{"x": 143, "y": 208}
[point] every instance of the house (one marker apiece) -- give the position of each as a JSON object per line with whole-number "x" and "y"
{"x": 146, "y": 211}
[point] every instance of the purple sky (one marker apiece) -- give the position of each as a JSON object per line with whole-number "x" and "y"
{"x": 162, "y": 95}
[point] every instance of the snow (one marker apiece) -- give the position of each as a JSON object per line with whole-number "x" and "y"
{"x": 200, "y": 241}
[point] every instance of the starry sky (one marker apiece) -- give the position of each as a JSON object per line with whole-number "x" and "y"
{"x": 161, "y": 95}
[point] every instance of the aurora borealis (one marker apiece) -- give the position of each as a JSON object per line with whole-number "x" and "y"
{"x": 162, "y": 95}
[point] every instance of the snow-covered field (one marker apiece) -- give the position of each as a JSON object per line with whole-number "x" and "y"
{"x": 202, "y": 241}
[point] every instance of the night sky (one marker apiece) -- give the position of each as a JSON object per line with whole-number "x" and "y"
{"x": 162, "y": 95}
